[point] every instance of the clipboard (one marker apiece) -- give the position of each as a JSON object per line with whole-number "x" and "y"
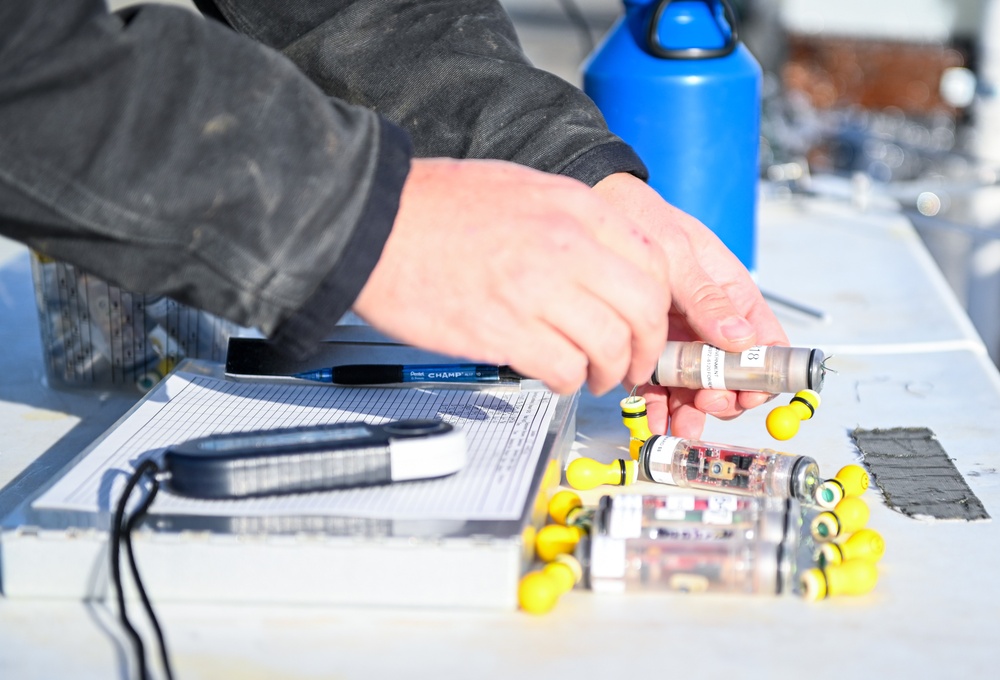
{"x": 398, "y": 559}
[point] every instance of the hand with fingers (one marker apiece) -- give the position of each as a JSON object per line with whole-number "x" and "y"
{"x": 714, "y": 300}
{"x": 499, "y": 263}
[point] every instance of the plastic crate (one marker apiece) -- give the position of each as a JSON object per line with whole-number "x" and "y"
{"x": 96, "y": 335}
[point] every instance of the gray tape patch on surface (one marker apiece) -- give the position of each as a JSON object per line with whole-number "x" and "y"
{"x": 916, "y": 475}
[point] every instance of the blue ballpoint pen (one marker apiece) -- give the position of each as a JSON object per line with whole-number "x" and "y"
{"x": 385, "y": 374}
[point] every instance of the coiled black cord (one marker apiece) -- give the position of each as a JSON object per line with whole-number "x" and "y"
{"x": 121, "y": 532}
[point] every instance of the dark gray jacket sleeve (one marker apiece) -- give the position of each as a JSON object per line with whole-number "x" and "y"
{"x": 451, "y": 72}
{"x": 167, "y": 154}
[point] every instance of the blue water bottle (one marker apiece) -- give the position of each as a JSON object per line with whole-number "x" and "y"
{"x": 673, "y": 80}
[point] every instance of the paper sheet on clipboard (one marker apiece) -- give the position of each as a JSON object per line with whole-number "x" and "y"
{"x": 505, "y": 428}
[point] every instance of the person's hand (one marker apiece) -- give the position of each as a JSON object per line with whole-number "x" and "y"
{"x": 498, "y": 263}
{"x": 714, "y": 301}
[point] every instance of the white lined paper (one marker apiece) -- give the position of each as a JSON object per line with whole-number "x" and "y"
{"x": 505, "y": 429}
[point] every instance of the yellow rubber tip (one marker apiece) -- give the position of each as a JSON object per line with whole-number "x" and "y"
{"x": 864, "y": 544}
{"x": 783, "y": 423}
{"x": 538, "y": 592}
{"x": 555, "y": 539}
{"x": 853, "y": 577}
{"x": 561, "y": 504}
{"x": 854, "y": 478}
{"x": 810, "y": 396}
{"x": 853, "y": 514}
{"x": 165, "y": 366}
{"x": 635, "y": 447}
{"x": 802, "y": 412}
{"x": 586, "y": 473}
{"x": 634, "y": 418}
{"x": 638, "y": 427}
{"x": 566, "y": 571}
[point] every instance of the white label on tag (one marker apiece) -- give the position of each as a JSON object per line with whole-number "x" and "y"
{"x": 753, "y": 357}
{"x": 713, "y": 368}
{"x": 626, "y": 516}
{"x": 661, "y": 476}
{"x": 681, "y": 502}
{"x": 670, "y": 514}
{"x": 660, "y": 460}
{"x": 607, "y": 557}
{"x": 720, "y": 510}
{"x": 717, "y": 516}
{"x": 723, "y": 502}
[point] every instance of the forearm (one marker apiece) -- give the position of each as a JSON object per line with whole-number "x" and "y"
{"x": 451, "y": 73}
{"x": 169, "y": 155}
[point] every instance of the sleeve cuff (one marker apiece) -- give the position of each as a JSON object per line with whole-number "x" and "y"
{"x": 607, "y": 159}
{"x": 300, "y": 334}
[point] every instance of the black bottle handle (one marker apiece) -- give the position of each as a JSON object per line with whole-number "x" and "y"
{"x": 656, "y": 48}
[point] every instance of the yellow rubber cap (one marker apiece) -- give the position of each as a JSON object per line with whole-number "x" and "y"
{"x": 853, "y": 577}
{"x": 851, "y": 480}
{"x": 556, "y": 539}
{"x": 538, "y": 592}
{"x": 853, "y": 514}
{"x": 563, "y": 503}
{"x": 634, "y": 418}
{"x": 864, "y": 544}
{"x": 849, "y": 515}
{"x": 783, "y": 423}
{"x": 586, "y": 473}
{"x": 566, "y": 571}
{"x": 810, "y": 397}
{"x": 854, "y": 478}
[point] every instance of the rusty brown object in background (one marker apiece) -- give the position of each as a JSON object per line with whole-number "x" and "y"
{"x": 870, "y": 74}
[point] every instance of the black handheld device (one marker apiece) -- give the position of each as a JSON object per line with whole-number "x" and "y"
{"x": 312, "y": 458}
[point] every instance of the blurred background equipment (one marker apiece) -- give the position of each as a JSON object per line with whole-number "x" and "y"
{"x": 898, "y": 97}
{"x": 894, "y": 100}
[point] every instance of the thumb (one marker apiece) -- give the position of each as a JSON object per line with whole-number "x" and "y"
{"x": 710, "y": 312}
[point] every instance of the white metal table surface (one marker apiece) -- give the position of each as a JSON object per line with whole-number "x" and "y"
{"x": 905, "y": 355}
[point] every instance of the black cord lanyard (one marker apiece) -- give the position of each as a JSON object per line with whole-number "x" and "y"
{"x": 121, "y": 532}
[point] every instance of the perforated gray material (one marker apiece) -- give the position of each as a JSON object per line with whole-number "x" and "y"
{"x": 916, "y": 475}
